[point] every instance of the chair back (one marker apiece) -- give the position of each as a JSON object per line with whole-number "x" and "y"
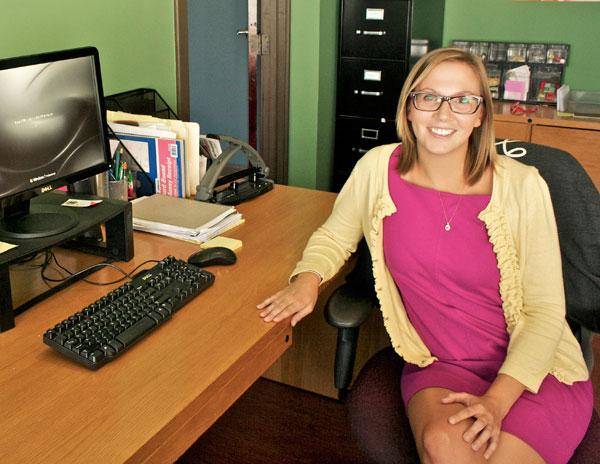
{"x": 576, "y": 204}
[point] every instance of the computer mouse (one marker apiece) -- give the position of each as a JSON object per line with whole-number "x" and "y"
{"x": 212, "y": 257}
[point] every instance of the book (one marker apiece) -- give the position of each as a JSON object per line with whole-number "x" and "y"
{"x": 182, "y": 218}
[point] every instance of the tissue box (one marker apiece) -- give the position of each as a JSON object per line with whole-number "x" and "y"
{"x": 584, "y": 103}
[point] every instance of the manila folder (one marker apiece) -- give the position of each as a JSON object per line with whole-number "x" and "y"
{"x": 178, "y": 213}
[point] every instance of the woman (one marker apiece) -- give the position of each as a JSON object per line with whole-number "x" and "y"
{"x": 468, "y": 274}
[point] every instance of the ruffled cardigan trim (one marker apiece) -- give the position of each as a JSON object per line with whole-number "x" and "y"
{"x": 511, "y": 292}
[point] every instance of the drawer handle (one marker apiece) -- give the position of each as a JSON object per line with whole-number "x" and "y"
{"x": 359, "y": 32}
{"x": 368, "y": 93}
{"x": 362, "y": 151}
{"x": 370, "y": 134}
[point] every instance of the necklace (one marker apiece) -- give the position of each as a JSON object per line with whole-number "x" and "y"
{"x": 447, "y": 226}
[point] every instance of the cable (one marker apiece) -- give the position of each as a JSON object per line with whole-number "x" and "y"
{"x": 73, "y": 275}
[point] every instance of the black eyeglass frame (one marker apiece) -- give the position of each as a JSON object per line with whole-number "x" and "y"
{"x": 442, "y": 99}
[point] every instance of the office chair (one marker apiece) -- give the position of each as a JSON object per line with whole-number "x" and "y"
{"x": 375, "y": 408}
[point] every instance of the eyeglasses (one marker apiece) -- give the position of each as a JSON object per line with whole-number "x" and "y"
{"x": 462, "y": 104}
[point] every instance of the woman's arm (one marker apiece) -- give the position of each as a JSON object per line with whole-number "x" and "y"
{"x": 327, "y": 250}
{"x": 539, "y": 326}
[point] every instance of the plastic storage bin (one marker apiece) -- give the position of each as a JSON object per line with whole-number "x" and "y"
{"x": 584, "y": 103}
{"x": 462, "y": 44}
{"x": 516, "y": 52}
{"x": 480, "y": 49}
{"x": 536, "y": 53}
{"x": 557, "y": 54}
{"x": 545, "y": 81}
{"x": 494, "y": 78}
{"x": 497, "y": 51}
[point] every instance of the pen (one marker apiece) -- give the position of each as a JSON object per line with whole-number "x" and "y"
{"x": 122, "y": 169}
{"x": 130, "y": 189}
{"x": 117, "y": 163}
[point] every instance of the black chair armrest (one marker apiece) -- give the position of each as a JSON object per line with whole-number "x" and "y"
{"x": 347, "y": 308}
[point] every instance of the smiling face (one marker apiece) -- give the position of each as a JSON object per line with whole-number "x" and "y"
{"x": 443, "y": 132}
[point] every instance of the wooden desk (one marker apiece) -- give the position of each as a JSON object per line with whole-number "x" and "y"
{"x": 151, "y": 404}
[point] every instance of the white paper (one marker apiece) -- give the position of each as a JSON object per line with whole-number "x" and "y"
{"x": 139, "y": 150}
{"x": 201, "y": 236}
{"x": 562, "y": 97}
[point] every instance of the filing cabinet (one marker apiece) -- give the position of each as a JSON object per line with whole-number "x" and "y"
{"x": 373, "y": 62}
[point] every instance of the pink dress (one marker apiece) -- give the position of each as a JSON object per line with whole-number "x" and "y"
{"x": 449, "y": 282}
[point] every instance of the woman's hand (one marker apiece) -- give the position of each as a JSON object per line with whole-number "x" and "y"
{"x": 298, "y": 299}
{"x": 487, "y": 413}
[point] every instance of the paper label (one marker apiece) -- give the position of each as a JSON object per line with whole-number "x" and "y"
{"x": 375, "y": 13}
{"x": 370, "y": 75}
{"x": 169, "y": 171}
{"x": 74, "y": 203}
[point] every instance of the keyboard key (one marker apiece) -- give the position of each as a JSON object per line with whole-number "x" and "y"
{"x": 130, "y": 335}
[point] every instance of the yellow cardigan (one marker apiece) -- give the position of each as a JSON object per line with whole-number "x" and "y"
{"x": 521, "y": 226}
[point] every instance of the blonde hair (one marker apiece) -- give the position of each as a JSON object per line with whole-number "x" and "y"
{"x": 481, "y": 151}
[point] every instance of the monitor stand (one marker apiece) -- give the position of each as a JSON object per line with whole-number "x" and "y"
{"x": 116, "y": 217}
{"x": 37, "y": 225}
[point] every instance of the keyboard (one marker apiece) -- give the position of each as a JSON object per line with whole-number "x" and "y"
{"x": 105, "y": 329}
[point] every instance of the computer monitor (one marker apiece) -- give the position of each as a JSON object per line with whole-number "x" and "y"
{"x": 53, "y": 132}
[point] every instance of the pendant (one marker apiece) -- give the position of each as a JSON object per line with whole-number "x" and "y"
{"x": 447, "y": 227}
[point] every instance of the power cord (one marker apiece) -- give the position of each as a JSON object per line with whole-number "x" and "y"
{"x": 50, "y": 256}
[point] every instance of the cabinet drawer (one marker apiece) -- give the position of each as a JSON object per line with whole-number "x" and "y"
{"x": 354, "y": 137}
{"x": 375, "y": 28}
{"x": 512, "y": 130}
{"x": 583, "y": 144}
{"x": 370, "y": 87}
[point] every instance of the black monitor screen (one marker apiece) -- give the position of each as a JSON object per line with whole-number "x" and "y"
{"x": 52, "y": 122}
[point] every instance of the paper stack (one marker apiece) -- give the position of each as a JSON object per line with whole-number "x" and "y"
{"x": 181, "y": 218}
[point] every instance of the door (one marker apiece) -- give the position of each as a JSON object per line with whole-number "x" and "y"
{"x": 218, "y": 63}
{"x": 232, "y": 72}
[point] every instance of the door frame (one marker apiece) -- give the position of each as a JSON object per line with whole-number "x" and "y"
{"x": 274, "y": 81}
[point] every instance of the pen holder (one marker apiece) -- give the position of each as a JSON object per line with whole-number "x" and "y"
{"x": 117, "y": 189}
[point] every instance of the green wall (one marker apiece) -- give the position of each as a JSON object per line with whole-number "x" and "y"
{"x": 312, "y": 92}
{"x": 313, "y": 55}
{"x": 135, "y": 38}
{"x": 577, "y": 24}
